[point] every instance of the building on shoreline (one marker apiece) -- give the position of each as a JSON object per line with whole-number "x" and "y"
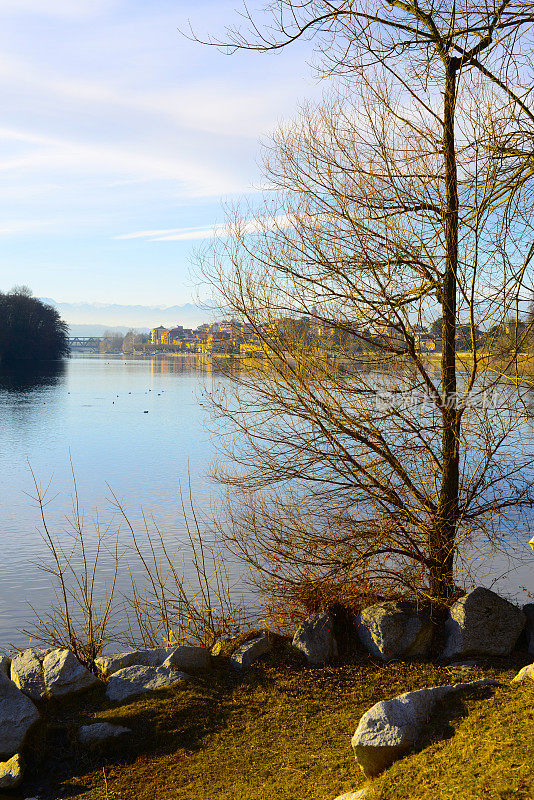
{"x": 232, "y": 337}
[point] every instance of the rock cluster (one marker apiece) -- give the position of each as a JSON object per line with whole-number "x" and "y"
{"x": 357, "y": 795}
{"x": 11, "y": 772}
{"x": 528, "y": 611}
{"x": 481, "y": 623}
{"x": 36, "y": 675}
{"x": 143, "y": 658}
{"x": 251, "y": 650}
{"x": 50, "y": 673}
{"x": 527, "y": 673}
{"x": 18, "y": 715}
{"x": 101, "y": 732}
{"x": 187, "y": 658}
{"x": 136, "y": 679}
{"x": 315, "y": 638}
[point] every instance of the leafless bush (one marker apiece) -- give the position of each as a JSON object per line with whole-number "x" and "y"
{"x": 165, "y": 606}
{"x": 80, "y": 617}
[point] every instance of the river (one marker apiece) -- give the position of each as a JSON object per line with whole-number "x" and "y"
{"x": 136, "y": 427}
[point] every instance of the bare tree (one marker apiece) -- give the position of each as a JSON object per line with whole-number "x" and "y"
{"x": 396, "y": 203}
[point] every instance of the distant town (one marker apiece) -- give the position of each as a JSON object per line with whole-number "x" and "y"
{"x": 235, "y": 338}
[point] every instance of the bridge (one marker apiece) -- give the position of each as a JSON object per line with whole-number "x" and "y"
{"x": 88, "y": 344}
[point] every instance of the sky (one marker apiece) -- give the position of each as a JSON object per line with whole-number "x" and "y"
{"x": 120, "y": 142}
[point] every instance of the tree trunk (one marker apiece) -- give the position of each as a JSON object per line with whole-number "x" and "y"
{"x": 443, "y": 536}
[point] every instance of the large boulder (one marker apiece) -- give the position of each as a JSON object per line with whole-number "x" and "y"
{"x": 154, "y": 657}
{"x": 315, "y": 638}
{"x": 393, "y": 629}
{"x": 188, "y": 658}
{"x": 138, "y": 679}
{"x": 391, "y": 727}
{"x": 11, "y": 772}
{"x": 101, "y": 732}
{"x": 17, "y": 715}
{"x": 27, "y": 672}
{"x": 528, "y": 611}
{"x": 527, "y": 673}
{"x": 481, "y": 623}
{"x": 250, "y": 651}
{"x": 64, "y": 675}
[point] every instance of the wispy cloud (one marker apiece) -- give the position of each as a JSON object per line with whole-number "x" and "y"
{"x": 177, "y": 234}
{"x": 61, "y": 155}
{"x": 209, "y": 232}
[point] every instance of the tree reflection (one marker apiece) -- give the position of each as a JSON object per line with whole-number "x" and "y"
{"x": 18, "y": 377}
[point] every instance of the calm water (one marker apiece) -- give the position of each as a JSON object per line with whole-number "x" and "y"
{"x": 93, "y": 411}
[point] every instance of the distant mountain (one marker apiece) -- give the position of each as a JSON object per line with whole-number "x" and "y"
{"x": 107, "y": 316}
{"x": 100, "y": 330}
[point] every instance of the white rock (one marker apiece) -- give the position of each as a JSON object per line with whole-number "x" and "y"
{"x": 5, "y": 666}
{"x": 63, "y": 674}
{"x": 27, "y": 672}
{"x": 144, "y": 658}
{"x": 315, "y": 638}
{"x": 11, "y": 772}
{"x": 393, "y": 629}
{"x": 138, "y": 679}
{"x": 248, "y": 652}
{"x": 482, "y": 623}
{"x": 17, "y": 715}
{"x": 524, "y": 674}
{"x": 358, "y": 795}
{"x": 100, "y": 732}
{"x": 390, "y": 728}
{"x": 188, "y": 658}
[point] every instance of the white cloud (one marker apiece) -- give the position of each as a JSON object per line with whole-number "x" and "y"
{"x": 209, "y": 232}
{"x": 57, "y": 155}
{"x": 215, "y": 105}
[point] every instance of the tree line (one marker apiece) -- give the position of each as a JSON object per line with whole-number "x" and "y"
{"x": 128, "y": 343}
{"x": 30, "y": 330}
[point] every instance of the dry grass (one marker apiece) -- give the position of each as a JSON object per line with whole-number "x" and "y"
{"x": 280, "y": 732}
{"x": 488, "y": 754}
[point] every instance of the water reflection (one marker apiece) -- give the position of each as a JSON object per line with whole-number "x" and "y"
{"x": 24, "y": 377}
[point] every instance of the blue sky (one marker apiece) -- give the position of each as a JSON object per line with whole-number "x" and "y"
{"x": 113, "y": 125}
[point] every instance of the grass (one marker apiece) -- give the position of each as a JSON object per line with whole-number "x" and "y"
{"x": 280, "y": 732}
